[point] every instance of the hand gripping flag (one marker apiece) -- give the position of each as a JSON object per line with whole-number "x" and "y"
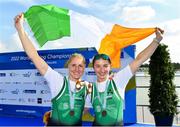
{"x": 75, "y": 30}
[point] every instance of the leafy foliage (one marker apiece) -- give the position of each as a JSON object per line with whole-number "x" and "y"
{"x": 162, "y": 94}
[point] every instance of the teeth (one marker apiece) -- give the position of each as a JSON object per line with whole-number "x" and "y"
{"x": 101, "y": 75}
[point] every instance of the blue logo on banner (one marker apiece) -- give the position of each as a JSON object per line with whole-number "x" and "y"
{"x": 29, "y": 91}
{"x": 2, "y": 74}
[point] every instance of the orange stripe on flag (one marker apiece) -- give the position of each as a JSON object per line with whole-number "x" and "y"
{"x": 119, "y": 38}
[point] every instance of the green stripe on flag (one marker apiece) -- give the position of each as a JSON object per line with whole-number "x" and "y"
{"x": 48, "y": 22}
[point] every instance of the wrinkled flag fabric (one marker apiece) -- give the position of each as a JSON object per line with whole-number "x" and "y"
{"x": 75, "y": 30}
{"x": 48, "y": 22}
{"x": 119, "y": 38}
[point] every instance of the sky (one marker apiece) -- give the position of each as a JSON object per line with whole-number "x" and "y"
{"x": 129, "y": 13}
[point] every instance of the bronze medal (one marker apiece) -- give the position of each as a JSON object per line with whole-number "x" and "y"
{"x": 89, "y": 88}
{"x": 71, "y": 113}
{"x": 89, "y": 85}
{"x": 104, "y": 113}
{"x": 78, "y": 86}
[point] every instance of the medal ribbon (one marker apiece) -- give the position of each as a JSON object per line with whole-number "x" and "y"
{"x": 103, "y": 103}
{"x": 72, "y": 96}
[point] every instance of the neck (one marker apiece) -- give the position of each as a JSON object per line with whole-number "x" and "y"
{"x": 101, "y": 79}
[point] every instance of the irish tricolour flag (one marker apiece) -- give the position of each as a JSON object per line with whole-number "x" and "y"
{"x": 75, "y": 30}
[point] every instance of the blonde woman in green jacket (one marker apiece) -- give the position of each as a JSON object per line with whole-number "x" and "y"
{"x": 68, "y": 92}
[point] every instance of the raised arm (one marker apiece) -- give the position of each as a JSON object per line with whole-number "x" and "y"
{"x": 147, "y": 52}
{"x": 30, "y": 50}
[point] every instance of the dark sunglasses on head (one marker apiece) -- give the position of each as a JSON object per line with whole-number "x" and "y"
{"x": 101, "y": 56}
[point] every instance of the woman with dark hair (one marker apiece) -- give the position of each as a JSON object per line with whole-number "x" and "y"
{"x": 107, "y": 95}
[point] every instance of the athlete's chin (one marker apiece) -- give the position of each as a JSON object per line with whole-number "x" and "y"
{"x": 102, "y": 77}
{"x": 77, "y": 76}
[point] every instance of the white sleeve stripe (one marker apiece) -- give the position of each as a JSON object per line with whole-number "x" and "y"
{"x": 121, "y": 79}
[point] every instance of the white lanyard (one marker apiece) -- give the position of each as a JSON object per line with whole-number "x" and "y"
{"x": 103, "y": 103}
{"x": 72, "y": 96}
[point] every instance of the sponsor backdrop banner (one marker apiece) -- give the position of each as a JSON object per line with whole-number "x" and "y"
{"x": 25, "y": 93}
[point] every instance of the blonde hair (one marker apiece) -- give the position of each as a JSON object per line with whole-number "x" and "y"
{"x": 73, "y": 56}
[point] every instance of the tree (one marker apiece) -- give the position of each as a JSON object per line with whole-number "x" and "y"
{"x": 162, "y": 94}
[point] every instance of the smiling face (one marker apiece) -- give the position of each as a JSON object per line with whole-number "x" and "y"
{"x": 102, "y": 68}
{"x": 76, "y": 68}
